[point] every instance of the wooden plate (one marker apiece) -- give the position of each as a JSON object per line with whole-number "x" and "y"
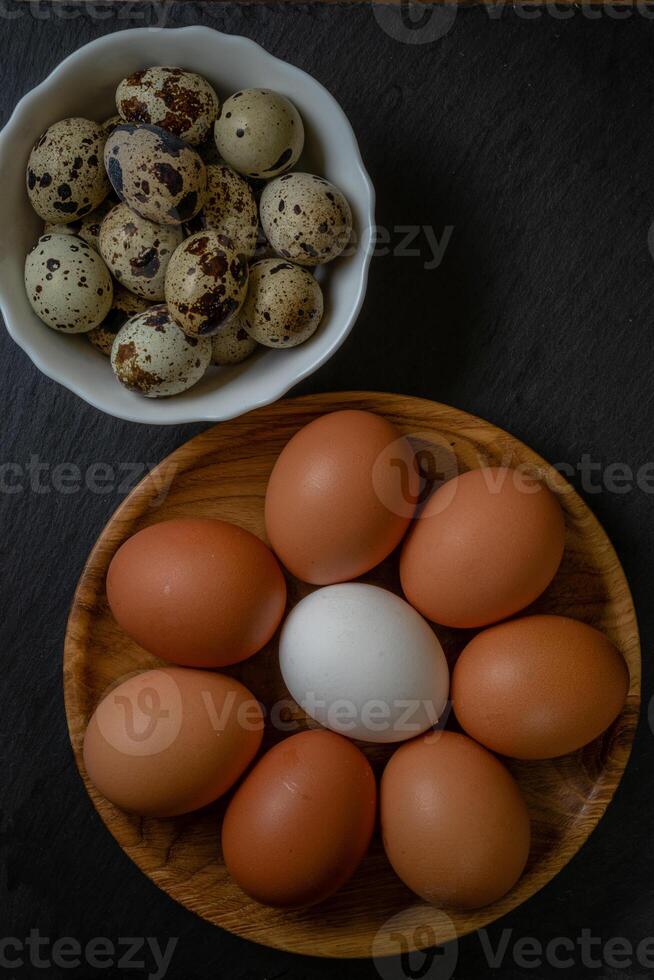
{"x": 223, "y": 473}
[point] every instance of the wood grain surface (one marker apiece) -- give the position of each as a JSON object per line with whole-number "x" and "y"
{"x": 223, "y": 473}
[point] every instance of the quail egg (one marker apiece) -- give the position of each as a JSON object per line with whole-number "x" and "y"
{"x": 155, "y": 173}
{"x": 229, "y": 209}
{"x": 153, "y": 356}
{"x": 178, "y": 101}
{"x": 87, "y": 228}
{"x": 68, "y": 284}
{"x": 232, "y": 344}
{"x": 124, "y": 306}
{"x": 206, "y": 282}
{"x": 66, "y": 178}
{"x": 305, "y": 218}
{"x": 137, "y": 251}
{"x": 284, "y": 304}
{"x": 259, "y": 133}
{"x": 110, "y": 124}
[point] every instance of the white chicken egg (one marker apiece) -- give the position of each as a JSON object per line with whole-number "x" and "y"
{"x": 363, "y": 662}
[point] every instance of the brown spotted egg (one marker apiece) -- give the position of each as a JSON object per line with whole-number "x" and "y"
{"x": 153, "y": 356}
{"x": 68, "y": 284}
{"x": 155, "y": 173}
{"x": 124, "y": 306}
{"x": 178, "y": 101}
{"x": 259, "y": 133}
{"x": 229, "y": 209}
{"x": 110, "y": 124}
{"x": 232, "y": 344}
{"x": 137, "y": 251}
{"x": 206, "y": 282}
{"x": 66, "y": 178}
{"x": 88, "y": 228}
{"x": 284, "y": 304}
{"x": 305, "y": 218}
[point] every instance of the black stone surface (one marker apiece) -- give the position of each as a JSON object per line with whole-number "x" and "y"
{"x": 531, "y": 138}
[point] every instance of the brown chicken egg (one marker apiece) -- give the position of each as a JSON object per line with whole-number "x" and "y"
{"x": 197, "y": 592}
{"x": 341, "y": 496}
{"x": 539, "y": 686}
{"x": 455, "y": 826}
{"x": 169, "y": 741}
{"x": 487, "y": 544}
{"x": 300, "y": 824}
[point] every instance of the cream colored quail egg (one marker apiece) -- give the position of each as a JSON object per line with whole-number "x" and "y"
{"x": 178, "y": 101}
{"x": 155, "y": 173}
{"x": 259, "y": 133}
{"x": 124, "y": 306}
{"x": 110, "y": 124}
{"x": 153, "y": 356}
{"x": 206, "y": 282}
{"x": 68, "y": 284}
{"x": 66, "y": 178}
{"x": 284, "y": 304}
{"x": 305, "y": 218}
{"x": 229, "y": 209}
{"x": 232, "y": 344}
{"x": 137, "y": 251}
{"x": 88, "y": 228}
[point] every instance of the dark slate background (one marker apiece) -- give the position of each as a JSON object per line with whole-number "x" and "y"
{"x": 533, "y": 139}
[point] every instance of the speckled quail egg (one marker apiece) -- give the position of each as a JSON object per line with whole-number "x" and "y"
{"x": 66, "y": 178}
{"x": 87, "y": 228}
{"x": 137, "y": 251}
{"x": 232, "y": 344}
{"x": 305, "y": 218}
{"x": 229, "y": 209}
{"x": 155, "y": 173}
{"x": 110, "y": 124}
{"x": 179, "y": 101}
{"x": 124, "y": 306}
{"x": 153, "y": 356}
{"x": 68, "y": 284}
{"x": 259, "y": 133}
{"x": 206, "y": 282}
{"x": 284, "y": 304}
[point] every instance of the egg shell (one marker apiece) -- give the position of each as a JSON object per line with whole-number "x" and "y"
{"x": 197, "y": 592}
{"x": 68, "y": 285}
{"x": 124, "y": 306}
{"x": 284, "y": 304}
{"x": 229, "y": 209}
{"x": 539, "y": 686}
{"x": 455, "y": 826}
{"x": 299, "y": 825}
{"x": 487, "y": 544}
{"x": 341, "y": 496}
{"x": 166, "y": 742}
{"x": 138, "y": 251}
{"x": 362, "y": 662}
{"x": 156, "y": 174}
{"x": 153, "y": 356}
{"x": 66, "y": 179}
{"x": 232, "y": 344}
{"x": 206, "y": 283}
{"x": 178, "y": 101}
{"x": 87, "y": 228}
{"x": 306, "y": 219}
{"x": 259, "y": 133}
{"x": 108, "y": 125}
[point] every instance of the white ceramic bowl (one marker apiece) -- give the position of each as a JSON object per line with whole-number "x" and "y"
{"x": 84, "y": 85}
